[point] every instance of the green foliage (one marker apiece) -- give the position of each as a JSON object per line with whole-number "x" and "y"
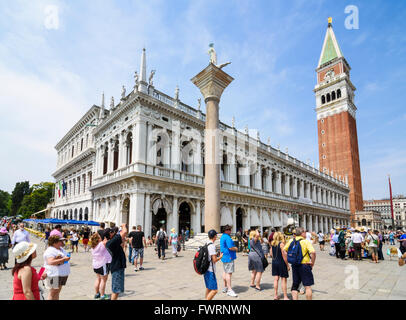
{"x": 37, "y": 199}
{"x": 5, "y": 203}
{"x": 20, "y": 190}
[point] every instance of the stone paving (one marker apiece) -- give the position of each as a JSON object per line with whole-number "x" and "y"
{"x": 175, "y": 279}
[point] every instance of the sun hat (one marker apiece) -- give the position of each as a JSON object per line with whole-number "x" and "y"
{"x": 227, "y": 227}
{"x": 3, "y": 230}
{"x": 23, "y": 250}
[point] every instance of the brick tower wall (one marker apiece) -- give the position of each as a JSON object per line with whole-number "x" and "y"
{"x": 342, "y": 155}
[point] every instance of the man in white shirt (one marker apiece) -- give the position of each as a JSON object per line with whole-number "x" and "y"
{"x": 210, "y": 275}
{"x": 20, "y": 235}
{"x": 357, "y": 240}
{"x": 373, "y": 243}
{"x": 308, "y": 236}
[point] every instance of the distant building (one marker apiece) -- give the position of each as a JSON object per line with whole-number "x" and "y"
{"x": 381, "y": 206}
{"x": 369, "y": 219}
{"x": 399, "y": 212}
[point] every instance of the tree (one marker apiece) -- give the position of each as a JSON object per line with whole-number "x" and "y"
{"x": 5, "y": 199}
{"x": 20, "y": 190}
{"x": 37, "y": 199}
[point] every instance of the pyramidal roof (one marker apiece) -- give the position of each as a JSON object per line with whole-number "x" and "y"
{"x": 331, "y": 49}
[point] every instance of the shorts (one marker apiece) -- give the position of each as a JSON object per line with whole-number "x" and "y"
{"x": 228, "y": 267}
{"x": 104, "y": 270}
{"x": 117, "y": 281}
{"x": 55, "y": 282}
{"x": 321, "y": 243}
{"x": 210, "y": 280}
{"x": 373, "y": 250}
{"x": 302, "y": 274}
{"x": 137, "y": 252}
{"x": 85, "y": 241}
{"x": 75, "y": 243}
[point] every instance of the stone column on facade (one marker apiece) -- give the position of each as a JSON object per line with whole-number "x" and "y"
{"x": 233, "y": 170}
{"x": 110, "y": 159}
{"x": 148, "y": 216}
{"x": 212, "y": 81}
{"x": 314, "y": 195}
{"x": 140, "y": 139}
{"x": 302, "y": 188}
{"x": 258, "y": 178}
{"x": 268, "y": 178}
{"x": 234, "y": 216}
{"x": 197, "y": 160}
{"x": 294, "y": 187}
{"x": 316, "y": 222}
{"x": 175, "y": 148}
{"x": 136, "y": 213}
{"x": 310, "y": 225}
{"x": 150, "y": 155}
{"x": 304, "y": 222}
{"x": 198, "y": 223}
{"x": 278, "y": 182}
{"x": 175, "y": 215}
{"x": 287, "y": 185}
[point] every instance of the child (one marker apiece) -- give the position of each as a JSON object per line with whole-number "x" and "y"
{"x": 210, "y": 275}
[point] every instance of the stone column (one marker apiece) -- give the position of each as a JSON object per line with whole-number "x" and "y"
{"x": 258, "y": 178}
{"x": 175, "y": 148}
{"x": 268, "y": 180}
{"x": 316, "y": 222}
{"x": 302, "y": 189}
{"x": 140, "y": 139}
{"x": 212, "y": 81}
{"x": 294, "y": 195}
{"x": 175, "y": 215}
{"x": 110, "y": 157}
{"x": 287, "y": 185}
{"x": 278, "y": 182}
{"x": 150, "y": 155}
{"x": 304, "y": 225}
{"x": 121, "y": 151}
{"x": 234, "y": 215}
{"x": 147, "y": 216}
{"x": 198, "y": 223}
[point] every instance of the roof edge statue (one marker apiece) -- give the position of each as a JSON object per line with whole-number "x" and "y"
{"x": 213, "y": 57}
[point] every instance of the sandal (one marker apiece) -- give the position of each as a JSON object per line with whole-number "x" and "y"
{"x": 258, "y": 289}
{"x": 252, "y": 286}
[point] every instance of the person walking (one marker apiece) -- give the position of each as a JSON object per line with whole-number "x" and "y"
{"x": 210, "y": 275}
{"x": 381, "y": 240}
{"x": 265, "y": 244}
{"x": 301, "y": 271}
{"x": 229, "y": 251}
{"x": 341, "y": 243}
{"x": 336, "y": 244}
{"x": 160, "y": 241}
{"x": 392, "y": 238}
{"x": 130, "y": 247}
{"x": 373, "y": 243}
{"x": 101, "y": 260}
{"x": 20, "y": 235}
{"x": 74, "y": 241}
{"x": 102, "y": 230}
{"x": 57, "y": 266}
{"x": 85, "y": 239}
{"x": 173, "y": 240}
{"x": 5, "y": 245}
{"x": 57, "y": 231}
{"x": 25, "y": 283}
{"x": 118, "y": 260}
{"x": 137, "y": 242}
{"x": 320, "y": 235}
{"x": 280, "y": 265}
{"x": 255, "y": 264}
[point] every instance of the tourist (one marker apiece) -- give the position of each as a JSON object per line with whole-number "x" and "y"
{"x": 150, "y": 242}
{"x": 85, "y": 239}
{"x": 402, "y": 242}
{"x": 229, "y": 251}
{"x": 336, "y": 244}
{"x": 280, "y": 266}
{"x": 349, "y": 245}
{"x": 173, "y": 239}
{"x": 321, "y": 240}
{"x": 392, "y": 238}
{"x": 137, "y": 242}
{"x": 308, "y": 236}
{"x": 210, "y": 275}
{"x": 74, "y": 241}
{"x": 255, "y": 264}
{"x": 20, "y": 235}
{"x": 373, "y": 243}
{"x": 118, "y": 261}
{"x": 101, "y": 265}
{"x": 381, "y": 240}
{"x": 56, "y": 231}
{"x": 245, "y": 239}
{"x": 341, "y": 242}
{"x": 357, "y": 240}
{"x": 265, "y": 244}
{"x": 5, "y": 245}
{"x": 25, "y": 283}
{"x": 160, "y": 241}
{"x": 130, "y": 247}
{"x": 302, "y": 273}
{"x": 57, "y": 266}
{"x": 102, "y": 230}
{"x": 187, "y": 234}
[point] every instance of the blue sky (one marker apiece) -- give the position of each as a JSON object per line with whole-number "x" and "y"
{"x": 49, "y": 77}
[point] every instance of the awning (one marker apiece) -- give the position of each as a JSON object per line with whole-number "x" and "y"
{"x": 226, "y": 217}
{"x": 285, "y": 218}
{"x": 254, "y": 219}
{"x": 276, "y": 222}
{"x": 39, "y": 212}
{"x": 266, "y": 221}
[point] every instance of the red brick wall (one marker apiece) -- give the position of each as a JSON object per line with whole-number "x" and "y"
{"x": 337, "y": 70}
{"x": 341, "y": 151}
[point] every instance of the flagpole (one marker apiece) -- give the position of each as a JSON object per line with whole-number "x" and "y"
{"x": 391, "y": 204}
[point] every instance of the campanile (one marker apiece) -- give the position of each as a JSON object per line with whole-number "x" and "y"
{"x": 336, "y": 119}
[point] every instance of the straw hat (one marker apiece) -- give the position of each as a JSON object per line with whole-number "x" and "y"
{"x": 23, "y": 250}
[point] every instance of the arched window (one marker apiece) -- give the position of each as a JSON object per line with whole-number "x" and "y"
{"x": 129, "y": 148}
{"x": 338, "y": 93}
{"x": 328, "y": 97}
{"x": 333, "y": 95}
{"x": 115, "y": 158}
{"x": 105, "y": 159}
{"x": 323, "y": 99}
{"x": 224, "y": 169}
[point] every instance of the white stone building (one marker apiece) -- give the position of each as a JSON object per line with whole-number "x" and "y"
{"x": 143, "y": 164}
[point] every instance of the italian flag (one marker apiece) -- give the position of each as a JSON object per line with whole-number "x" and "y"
{"x": 59, "y": 189}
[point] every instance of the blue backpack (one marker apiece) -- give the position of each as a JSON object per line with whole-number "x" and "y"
{"x": 295, "y": 255}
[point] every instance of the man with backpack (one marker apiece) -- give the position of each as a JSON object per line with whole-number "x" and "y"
{"x": 210, "y": 275}
{"x": 302, "y": 256}
{"x": 160, "y": 241}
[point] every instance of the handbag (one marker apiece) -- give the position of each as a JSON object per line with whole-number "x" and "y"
{"x": 263, "y": 259}
{"x": 178, "y": 247}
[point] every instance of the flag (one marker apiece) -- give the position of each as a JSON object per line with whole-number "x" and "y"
{"x": 63, "y": 188}
{"x": 59, "y": 188}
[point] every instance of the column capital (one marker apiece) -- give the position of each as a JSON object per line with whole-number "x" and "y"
{"x": 212, "y": 81}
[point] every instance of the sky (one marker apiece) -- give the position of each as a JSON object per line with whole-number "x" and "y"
{"x": 57, "y": 57}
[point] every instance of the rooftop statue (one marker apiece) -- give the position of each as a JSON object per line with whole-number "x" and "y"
{"x": 213, "y": 57}
{"x": 150, "y": 77}
{"x": 123, "y": 93}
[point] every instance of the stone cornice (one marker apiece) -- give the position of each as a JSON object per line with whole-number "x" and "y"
{"x": 86, "y": 155}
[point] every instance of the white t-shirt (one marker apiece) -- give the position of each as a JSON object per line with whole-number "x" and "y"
{"x": 357, "y": 237}
{"x": 309, "y": 236}
{"x": 62, "y": 270}
{"x": 212, "y": 251}
{"x": 74, "y": 236}
{"x": 321, "y": 237}
{"x": 371, "y": 239}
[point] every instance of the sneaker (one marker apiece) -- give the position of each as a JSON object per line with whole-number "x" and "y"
{"x": 141, "y": 268}
{"x": 135, "y": 269}
{"x": 231, "y": 293}
{"x": 105, "y": 297}
{"x": 97, "y": 296}
{"x": 225, "y": 290}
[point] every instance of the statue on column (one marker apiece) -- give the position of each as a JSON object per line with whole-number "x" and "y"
{"x": 177, "y": 93}
{"x": 112, "y": 103}
{"x": 150, "y": 77}
{"x": 212, "y": 53}
{"x": 199, "y": 101}
{"x": 136, "y": 81}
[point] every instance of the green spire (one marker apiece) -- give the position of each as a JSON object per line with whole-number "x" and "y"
{"x": 329, "y": 51}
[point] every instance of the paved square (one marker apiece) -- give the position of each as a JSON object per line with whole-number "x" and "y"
{"x": 175, "y": 279}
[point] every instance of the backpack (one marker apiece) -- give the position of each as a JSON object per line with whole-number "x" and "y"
{"x": 161, "y": 235}
{"x": 201, "y": 261}
{"x": 295, "y": 255}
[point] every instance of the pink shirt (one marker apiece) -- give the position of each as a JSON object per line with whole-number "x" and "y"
{"x": 55, "y": 233}
{"x": 100, "y": 256}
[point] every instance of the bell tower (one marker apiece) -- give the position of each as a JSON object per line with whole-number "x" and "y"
{"x": 336, "y": 119}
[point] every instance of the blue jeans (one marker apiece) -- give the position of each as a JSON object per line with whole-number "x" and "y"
{"x": 130, "y": 254}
